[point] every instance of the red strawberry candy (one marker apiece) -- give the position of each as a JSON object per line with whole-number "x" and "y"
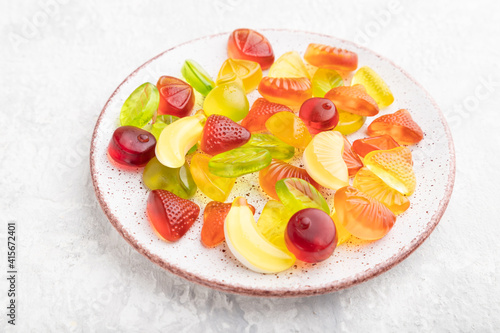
{"x": 221, "y": 134}
{"x": 171, "y": 216}
{"x": 261, "y": 111}
{"x": 212, "y": 232}
{"x": 399, "y": 125}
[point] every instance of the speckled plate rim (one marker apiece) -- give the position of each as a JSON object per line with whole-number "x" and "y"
{"x": 232, "y": 288}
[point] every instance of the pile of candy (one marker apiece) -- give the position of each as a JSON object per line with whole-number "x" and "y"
{"x": 305, "y": 110}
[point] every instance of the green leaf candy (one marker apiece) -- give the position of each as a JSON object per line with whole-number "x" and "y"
{"x": 197, "y": 77}
{"x": 140, "y": 106}
{"x": 239, "y": 161}
{"x": 297, "y": 194}
{"x": 278, "y": 149}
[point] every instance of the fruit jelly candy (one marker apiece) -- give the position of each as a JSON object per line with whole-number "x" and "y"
{"x": 140, "y": 106}
{"x": 342, "y": 234}
{"x": 249, "y": 72}
{"x": 250, "y": 45}
{"x": 261, "y": 111}
{"x": 176, "y": 97}
{"x": 297, "y": 194}
{"x": 247, "y": 243}
{"x": 291, "y": 65}
{"x": 215, "y": 187}
{"x": 277, "y": 148}
{"x": 353, "y": 99}
{"x": 366, "y": 145}
{"x": 319, "y": 114}
{"x": 399, "y": 125}
{"x": 131, "y": 146}
{"x": 272, "y": 223}
{"x": 285, "y": 90}
{"x": 159, "y": 124}
{"x": 239, "y": 162}
{"x": 197, "y": 77}
{"x": 375, "y": 86}
{"x": 178, "y": 181}
{"x": 352, "y": 161}
{"x": 221, "y": 134}
{"x": 228, "y": 100}
{"x": 324, "y": 80}
{"x": 349, "y": 122}
{"x": 290, "y": 129}
{"x": 330, "y": 57}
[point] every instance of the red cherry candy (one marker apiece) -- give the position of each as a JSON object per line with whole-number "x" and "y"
{"x": 319, "y": 114}
{"x": 131, "y": 146}
{"x": 311, "y": 235}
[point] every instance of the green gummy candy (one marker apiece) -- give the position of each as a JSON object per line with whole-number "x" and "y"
{"x": 178, "y": 181}
{"x": 239, "y": 161}
{"x": 278, "y": 149}
{"x": 140, "y": 106}
{"x": 297, "y": 194}
{"x": 197, "y": 77}
{"x": 273, "y": 221}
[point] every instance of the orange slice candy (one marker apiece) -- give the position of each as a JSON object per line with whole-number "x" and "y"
{"x": 394, "y": 167}
{"x": 352, "y": 160}
{"x": 261, "y": 111}
{"x": 353, "y": 99}
{"x": 399, "y": 125}
{"x": 286, "y": 90}
{"x": 366, "y": 145}
{"x": 326, "y": 56}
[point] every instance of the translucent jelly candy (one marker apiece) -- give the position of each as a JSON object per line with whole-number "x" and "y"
{"x": 399, "y": 125}
{"x": 367, "y": 182}
{"x": 285, "y": 90}
{"x": 374, "y": 85}
{"x": 362, "y": 215}
{"x": 324, "y": 80}
{"x": 290, "y": 64}
{"x": 160, "y": 123}
{"x": 319, "y": 114}
{"x": 229, "y": 78}
{"x": 277, "y": 148}
{"x": 228, "y": 100}
{"x": 221, "y": 134}
{"x": 366, "y": 145}
{"x": 297, "y": 194}
{"x": 212, "y": 232}
{"x": 272, "y": 223}
{"x": 250, "y": 45}
{"x": 170, "y": 215}
{"x": 131, "y": 146}
{"x": 179, "y": 181}
{"x": 140, "y": 106}
{"x": 290, "y": 129}
{"x": 353, "y": 99}
{"x": 248, "y": 244}
{"x": 261, "y": 111}
{"x": 351, "y": 160}
{"x": 394, "y": 167}
{"x": 323, "y": 160}
{"x": 239, "y": 162}
{"x": 197, "y": 77}
{"x": 330, "y": 57}
{"x": 215, "y": 187}
{"x": 278, "y": 170}
{"x": 176, "y": 96}
{"x": 349, "y": 122}
{"x": 248, "y": 71}
{"x": 177, "y": 138}
{"x": 310, "y": 235}
{"x": 342, "y": 234}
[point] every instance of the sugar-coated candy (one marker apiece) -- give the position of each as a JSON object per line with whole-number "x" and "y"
{"x": 374, "y": 85}
{"x": 247, "y": 243}
{"x": 250, "y": 45}
{"x": 212, "y": 232}
{"x": 399, "y": 125}
{"x": 285, "y": 90}
{"x": 342, "y": 234}
{"x": 326, "y": 56}
{"x": 249, "y": 72}
{"x": 177, "y": 139}
{"x": 311, "y": 235}
{"x": 170, "y": 215}
{"x": 221, "y": 134}
{"x": 362, "y": 215}
{"x": 176, "y": 97}
{"x": 290, "y": 64}
{"x": 197, "y": 77}
{"x": 319, "y": 114}
{"x": 367, "y": 182}
{"x": 353, "y": 99}
{"x": 179, "y": 181}
{"x": 272, "y": 223}
{"x": 394, "y": 167}
{"x": 261, "y": 111}
{"x": 297, "y": 194}
{"x": 215, "y": 187}
{"x": 239, "y": 162}
{"x": 289, "y": 128}
{"x": 277, "y": 148}
{"x": 324, "y": 80}
{"x": 277, "y": 170}
{"x": 349, "y": 122}
{"x": 131, "y": 146}
{"x": 323, "y": 160}
{"x": 366, "y": 145}
{"x": 351, "y": 159}
{"x": 140, "y": 106}
{"x": 228, "y": 100}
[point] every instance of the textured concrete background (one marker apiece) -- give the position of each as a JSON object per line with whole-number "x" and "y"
{"x": 59, "y": 62}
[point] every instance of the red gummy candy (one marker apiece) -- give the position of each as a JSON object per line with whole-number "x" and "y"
{"x": 221, "y": 134}
{"x": 131, "y": 146}
{"x": 399, "y": 125}
{"x": 352, "y": 160}
{"x": 366, "y": 145}
{"x": 176, "y": 97}
{"x": 319, "y": 114}
{"x": 250, "y": 45}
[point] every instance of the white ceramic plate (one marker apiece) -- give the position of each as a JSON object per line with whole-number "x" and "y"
{"x": 122, "y": 194}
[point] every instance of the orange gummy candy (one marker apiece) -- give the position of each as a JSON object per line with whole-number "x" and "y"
{"x": 290, "y": 129}
{"x": 352, "y": 160}
{"x": 261, "y": 110}
{"x": 286, "y": 90}
{"x": 366, "y": 145}
{"x": 326, "y": 56}
{"x": 353, "y": 99}
{"x": 361, "y": 215}
{"x": 399, "y": 125}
